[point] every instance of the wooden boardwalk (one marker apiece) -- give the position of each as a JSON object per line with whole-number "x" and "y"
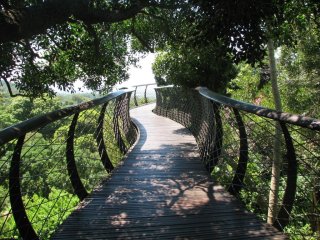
{"x": 162, "y": 191}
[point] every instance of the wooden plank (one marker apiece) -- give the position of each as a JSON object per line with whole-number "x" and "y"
{"x": 162, "y": 191}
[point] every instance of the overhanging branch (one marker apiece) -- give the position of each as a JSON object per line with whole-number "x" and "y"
{"x": 10, "y": 90}
{"x": 22, "y": 23}
{"x": 96, "y": 40}
{"x": 144, "y": 43}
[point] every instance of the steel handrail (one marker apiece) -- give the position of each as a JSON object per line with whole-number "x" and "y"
{"x": 294, "y": 119}
{"x": 37, "y": 122}
{"x": 209, "y": 115}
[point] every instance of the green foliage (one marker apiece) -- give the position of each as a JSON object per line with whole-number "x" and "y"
{"x": 98, "y": 55}
{"x": 245, "y": 86}
{"x": 53, "y": 211}
{"x": 305, "y": 230}
{"x": 238, "y": 24}
{"x": 197, "y": 41}
{"x": 298, "y": 78}
{"x": 300, "y": 73}
{"x": 46, "y": 213}
{"x": 94, "y": 41}
{"x": 295, "y": 18}
{"x": 47, "y": 192}
{"x": 193, "y": 67}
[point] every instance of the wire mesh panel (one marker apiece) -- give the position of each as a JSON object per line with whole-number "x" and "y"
{"x": 35, "y": 182}
{"x": 236, "y": 142}
{"x": 50, "y": 163}
{"x": 305, "y": 217}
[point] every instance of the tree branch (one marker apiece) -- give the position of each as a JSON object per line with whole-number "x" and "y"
{"x": 10, "y": 90}
{"x": 28, "y": 48}
{"x": 17, "y": 24}
{"x": 58, "y": 45}
{"x": 140, "y": 39}
{"x": 96, "y": 40}
{"x": 93, "y": 16}
{"x": 154, "y": 16}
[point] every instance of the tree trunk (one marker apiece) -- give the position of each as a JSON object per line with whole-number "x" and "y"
{"x": 276, "y": 165}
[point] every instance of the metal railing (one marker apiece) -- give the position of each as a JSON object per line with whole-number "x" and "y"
{"x": 235, "y": 141}
{"x": 48, "y": 164}
{"x": 144, "y": 94}
{"x": 51, "y": 162}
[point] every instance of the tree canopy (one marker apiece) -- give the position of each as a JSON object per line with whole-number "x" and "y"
{"x": 206, "y": 66}
{"x": 54, "y": 42}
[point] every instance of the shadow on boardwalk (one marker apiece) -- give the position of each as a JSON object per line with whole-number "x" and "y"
{"x": 162, "y": 191}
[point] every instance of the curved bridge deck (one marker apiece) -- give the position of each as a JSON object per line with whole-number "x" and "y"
{"x": 162, "y": 191}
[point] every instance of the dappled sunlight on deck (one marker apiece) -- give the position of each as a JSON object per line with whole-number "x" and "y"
{"x": 162, "y": 191}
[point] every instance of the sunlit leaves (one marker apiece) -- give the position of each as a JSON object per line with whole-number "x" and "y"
{"x": 185, "y": 66}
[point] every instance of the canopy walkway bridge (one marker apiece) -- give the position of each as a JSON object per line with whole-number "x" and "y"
{"x": 195, "y": 165}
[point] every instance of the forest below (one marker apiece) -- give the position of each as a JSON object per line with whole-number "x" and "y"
{"x": 262, "y": 52}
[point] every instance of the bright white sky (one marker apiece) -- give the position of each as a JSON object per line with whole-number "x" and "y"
{"x": 137, "y": 75}
{"x": 141, "y": 75}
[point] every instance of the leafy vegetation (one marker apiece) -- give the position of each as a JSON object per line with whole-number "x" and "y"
{"x": 49, "y": 45}
{"x": 43, "y": 44}
{"x": 193, "y": 67}
{"x": 298, "y": 80}
{"x": 48, "y": 195}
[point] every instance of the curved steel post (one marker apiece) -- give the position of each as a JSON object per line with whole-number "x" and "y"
{"x": 237, "y": 182}
{"x": 206, "y": 133}
{"x": 290, "y": 191}
{"x": 124, "y": 116}
{"x": 129, "y": 131}
{"x": 145, "y": 94}
{"x": 159, "y": 103}
{"x": 135, "y": 97}
{"x": 218, "y": 138}
{"x": 100, "y": 141}
{"x": 76, "y": 182}
{"x": 18, "y": 210}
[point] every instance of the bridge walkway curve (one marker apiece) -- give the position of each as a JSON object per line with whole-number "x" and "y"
{"x": 162, "y": 191}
